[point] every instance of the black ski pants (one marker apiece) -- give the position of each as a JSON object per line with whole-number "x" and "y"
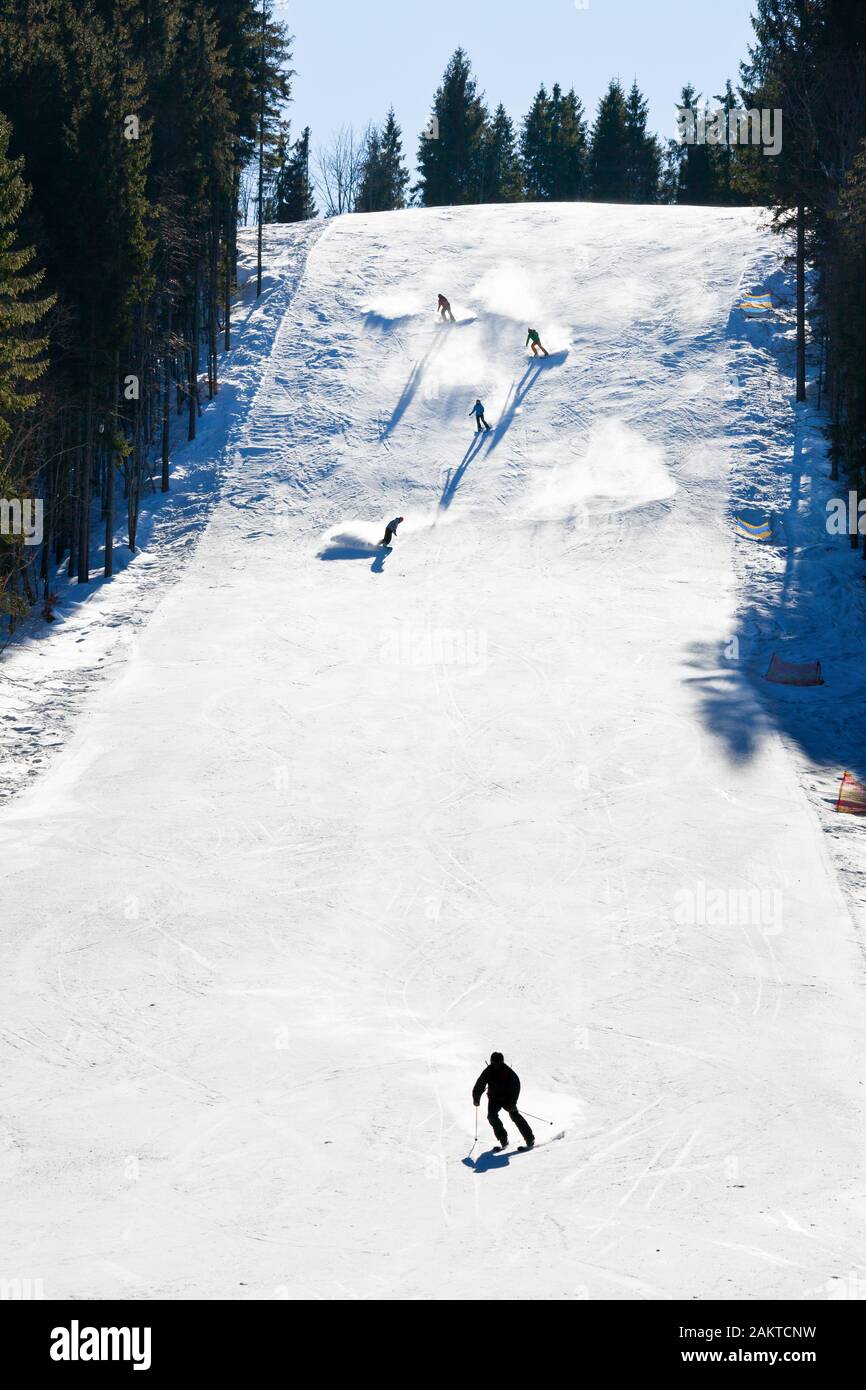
{"x": 493, "y": 1109}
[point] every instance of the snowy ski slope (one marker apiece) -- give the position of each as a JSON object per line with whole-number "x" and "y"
{"x": 343, "y": 822}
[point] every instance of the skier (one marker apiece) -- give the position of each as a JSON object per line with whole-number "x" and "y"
{"x": 445, "y": 309}
{"x": 503, "y": 1088}
{"x": 533, "y": 338}
{"x": 390, "y": 530}
{"x": 478, "y": 411}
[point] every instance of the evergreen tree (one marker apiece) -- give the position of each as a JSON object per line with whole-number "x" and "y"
{"x": 134, "y": 118}
{"x": 669, "y": 175}
{"x": 644, "y": 153}
{"x": 385, "y": 177}
{"x": 371, "y": 193}
{"x": 22, "y": 348}
{"x": 571, "y": 149}
{"x": 395, "y": 171}
{"x": 534, "y": 146}
{"x": 451, "y": 151}
{"x": 696, "y": 182}
{"x": 256, "y": 67}
{"x": 845, "y": 296}
{"x": 809, "y": 62}
{"x": 106, "y": 255}
{"x": 609, "y": 149}
{"x": 554, "y": 147}
{"x": 782, "y": 74}
{"x": 727, "y": 151}
{"x": 503, "y": 182}
{"x": 275, "y": 183}
{"x": 291, "y": 198}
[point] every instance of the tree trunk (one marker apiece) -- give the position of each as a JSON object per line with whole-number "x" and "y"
{"x": 801, "y": 303}
{"x": 193, "y": 348}
{"x": 84, "y": 490}
{"x": 166, "y": 399}
{"x": 48, "y": 538}
{"x": 140, "y": 446}
{"x": 60, "y": 509}
{"x": 133, "y": 495}
{"x": 213, "y": 291}
{"x": 231, "y": 254}
{"x": 261, "y": 156}
{"x": 109, "y": 482}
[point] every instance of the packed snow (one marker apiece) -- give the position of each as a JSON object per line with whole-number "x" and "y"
{"x": 339, "y": 821}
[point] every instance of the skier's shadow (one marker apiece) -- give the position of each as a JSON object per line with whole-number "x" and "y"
{"x": 485, "y": 1162}
{"x": 409, "y": 390}
{"x": 518, "y": 393}
{"x": 349, "y": 547}
{"x": 453, "y": 480}
{"x": 516, "y": 396}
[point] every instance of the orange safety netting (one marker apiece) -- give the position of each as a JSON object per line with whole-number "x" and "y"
{"x": 852, "y": 796}
{"x": 794, "y": 673}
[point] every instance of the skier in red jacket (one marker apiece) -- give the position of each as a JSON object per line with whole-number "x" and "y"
{"x": 445, "y": 309}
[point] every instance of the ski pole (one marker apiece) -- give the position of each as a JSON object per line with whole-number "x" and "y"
{"x": 536, "y": 1117}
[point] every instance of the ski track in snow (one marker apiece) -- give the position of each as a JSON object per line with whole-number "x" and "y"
{"x": 340, "y": 822}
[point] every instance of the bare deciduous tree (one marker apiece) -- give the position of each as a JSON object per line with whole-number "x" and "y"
{"x": 339, "y": 170}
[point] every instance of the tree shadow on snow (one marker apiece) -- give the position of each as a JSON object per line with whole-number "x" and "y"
{"x": 786, "y": 602}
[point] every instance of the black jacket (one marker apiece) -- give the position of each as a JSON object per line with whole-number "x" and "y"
{"x": 503, "y": 1086}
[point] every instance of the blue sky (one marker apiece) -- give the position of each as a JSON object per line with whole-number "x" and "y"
{"x": 353, "y": 60}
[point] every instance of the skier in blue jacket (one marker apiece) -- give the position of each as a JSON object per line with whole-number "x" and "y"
{"x": 478, "y": 411}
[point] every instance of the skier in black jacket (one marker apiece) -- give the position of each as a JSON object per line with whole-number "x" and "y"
{"x": 503, "y": 1088}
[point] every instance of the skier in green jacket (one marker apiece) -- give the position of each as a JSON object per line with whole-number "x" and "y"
{"x": 533, "y": 338}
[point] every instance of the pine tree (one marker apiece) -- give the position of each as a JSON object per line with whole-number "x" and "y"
{"x": 371, "y": 194}
{"x": 385, "y": 177}
{"x": 644, "y": 153}
{"x": 256, "y": 64}
{"x": 727, "y": 104}
{"x": 22, "y": 349}
{"x": 136, "y": 227}
{"x": 845, "y": 295}
{"x": 22, "y": 362}
{"x": 102, "y": 181}
{"x": 697, "y": 176}
{"x": 535, "y": 145}
{"x": 569, "y": 156}
{"x": 781, "y": 74}
{"x": 291, "y": 198}
{"x": 396, "y": 175}
{"x": 609, "y": 149}
{"x": 832, "y": 183}
{"x": 451, "y": 150}
{"x": 503, "y": 182}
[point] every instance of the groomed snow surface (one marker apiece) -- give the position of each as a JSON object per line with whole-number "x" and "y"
{"x": 342, "y": 821}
